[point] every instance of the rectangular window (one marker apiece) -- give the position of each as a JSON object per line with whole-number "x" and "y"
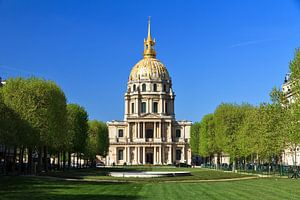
{"x": 143, "y": 107}
{"x": 178, "y": 133}
{"x": 166, "y": 108}
{"x": 120, "y": 154}
{"x": 154, "y": 87}
{"x": 132, "y": 108}
{"x": 155, "y": 105}
{"x": 178, "y": 154}
{"x": 120, "y": 134}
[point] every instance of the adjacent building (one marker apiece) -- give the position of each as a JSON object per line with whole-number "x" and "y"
{"x": 149, "y": 133}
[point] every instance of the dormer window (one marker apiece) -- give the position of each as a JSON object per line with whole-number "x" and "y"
{"x": 120, "y": 133}
{"x": 154, "y": 87}
{"x": 144, "y": 87}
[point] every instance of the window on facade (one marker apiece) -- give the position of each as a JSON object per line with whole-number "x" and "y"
{"x": 120, "y": 154}
{"x": 165, "y": 88}
{"x": 143, "y": 107}
{"x": 178, "y": 154}
{"x": 154, "y": 87}
{"x": 155, "y": 105}
{"x": 134, "y": 87}
{"x": 166, "y": 108}
{"x": 144, "y": 87}
{"x": 120, "y": 133}
{"x": 178, "y": 133}
{"x": 132, "y": 108}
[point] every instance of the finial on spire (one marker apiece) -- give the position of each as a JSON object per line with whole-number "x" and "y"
{"x": 149, "y": 29}
{"x": 149, "y": 50}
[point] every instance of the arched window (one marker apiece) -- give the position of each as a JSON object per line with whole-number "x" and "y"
{"x": 155, "y": 106}
{"x": 134, "y": 87}
{"x": 143, "y": 110}
{"x": 154, "y": 87}
{"x": 166, "y": 108}
{"x": 144, "y": 87}
{"x": 132, "y": 108}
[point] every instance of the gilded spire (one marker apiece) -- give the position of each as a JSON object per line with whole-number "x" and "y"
{"x": 149, "y": 51}
{"x": 149, "y": 30}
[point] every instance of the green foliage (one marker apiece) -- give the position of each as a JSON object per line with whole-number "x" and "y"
{"x": 195, "y": 134}
{"x": 77, "y": 124}
{"x": 41, "y": 108}
{"x": 208, "y": 145}
{"x": 97, "y": 143}
{"x": 228, "y": 119}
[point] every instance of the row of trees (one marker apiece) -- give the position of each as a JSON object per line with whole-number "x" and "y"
{"x": 36, "y": 123}
{"x": 252, "y": 134}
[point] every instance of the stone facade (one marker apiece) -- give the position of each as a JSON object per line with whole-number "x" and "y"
{"x": 149, "y": 133}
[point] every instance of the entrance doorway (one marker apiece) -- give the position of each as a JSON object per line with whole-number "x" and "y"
{"x": 149, "y": 158}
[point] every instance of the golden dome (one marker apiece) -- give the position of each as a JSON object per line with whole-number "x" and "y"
{"x": 149, "y": 68}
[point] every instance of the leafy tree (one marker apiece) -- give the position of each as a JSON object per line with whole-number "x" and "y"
{"x": 77, "y": 125}
{"x": 208, "y": 145}
{"x": 229, "y": 118}
{"x": 194, "y": 141}
{"x": 97, "y": 143}
{"x": 42, "y": 105}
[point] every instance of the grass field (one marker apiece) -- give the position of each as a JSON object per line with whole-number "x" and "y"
{"x": 43, "y": 188}
{"x": 101, "y": 174}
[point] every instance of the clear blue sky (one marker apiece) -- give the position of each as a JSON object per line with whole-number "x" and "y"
{"x": 215, "y": 51}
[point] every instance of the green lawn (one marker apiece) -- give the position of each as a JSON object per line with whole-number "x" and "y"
{"x": 101, "y": 174}
{"x": 36, "y": 188}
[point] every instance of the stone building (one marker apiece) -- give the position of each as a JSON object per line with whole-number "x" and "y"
{"x": 149, "y": 133}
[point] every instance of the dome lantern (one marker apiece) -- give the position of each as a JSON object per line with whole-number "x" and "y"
{"x": 149, "y": 50}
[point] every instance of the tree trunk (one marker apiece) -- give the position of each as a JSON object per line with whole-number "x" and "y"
{"x": 218, "y": 162}
{"x": 5, "y": 161}
{"x": 14, "y": 160}
{"x": 234, "y": 165}
{"x": 58, "y": 161}
{"x": 45, "y": 159}
{"x": 77, "y": 155}
{"x": 21, "y": 155}
{"x": 40, "y": 159}
{"x": 69, "y": 160}
{"x": 30, "y": 161}
{"x": 64, "y": 160}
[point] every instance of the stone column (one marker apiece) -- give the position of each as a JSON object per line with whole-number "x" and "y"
{"x": 163, "y": 159}
{"x": 125, "y": 154}
{"x": 183, "y": 154}
{"x": 144, "y": 155}
{"x": 155, "y": 133}
{"x": 138, "y": 155}
{"x": 170, "y": 159}
{"x": 169, "y": 131}
{"x": 128, "y": 155}
{"x": 139, "y": 129}
{"x": 160, "y": 130}
{"x": 135, "y": 155}
{"x": 151, "y": 106}
{"x": 155, "y": 155}
{"x": 136, "y": 110}
{"x": 144, "y": 130}
{"x": 159, "y": 155}
{"x": 126, "y": 106}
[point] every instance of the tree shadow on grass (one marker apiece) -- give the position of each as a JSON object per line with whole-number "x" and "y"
{"x": 34, "y": 188}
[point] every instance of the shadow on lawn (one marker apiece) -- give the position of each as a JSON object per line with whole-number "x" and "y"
{"x": 34, "y": 188}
